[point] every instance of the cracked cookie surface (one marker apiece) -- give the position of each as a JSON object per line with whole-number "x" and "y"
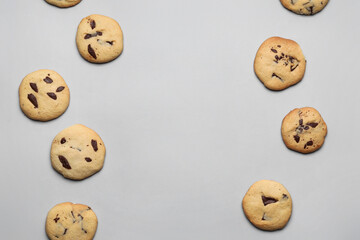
{"x": 43, "y": 95}
{"x": 68, "y": 221}
{"x": 267, "y": 205}
{"x": 279, "y": 63}
{"x": 304, "y": 7}
{"x": 99, "y": 39}
{"x": 77, "y": 152}
{"x": 63, "y": 3}
{"x": 303, "y": 130}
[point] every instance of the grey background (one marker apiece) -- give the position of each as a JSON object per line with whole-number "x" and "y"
{"x": 187, "y": 125}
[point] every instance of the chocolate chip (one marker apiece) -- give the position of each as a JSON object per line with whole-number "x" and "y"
{"x": 306, "y": 127}
{"x": 268, "y": 200}
{"x": 301, "y": 121}
{"x": 273, "y": 50}
{"x": 313, "y": 125}
{"x": 263, "y": 218}
{"x": 79, "y": 215}
{"x": 110, "y": 42}
{"x": 63, "y": 140}
{"x": 64, "y": 162}
{"x": 56, "y": 218}
{"x": 48, "y": 80}
{"x": 274, "y": 75}
{"x": 309, "y": 143}
{"x": 279, "y": 46}
{"x": 72, "y": 213}
{"x": 92, "y": 24}
{"x": 285, "y": 196}
{"x": 84, "y": 230}
{"x": 88, "y": 159}
{"x": 87, "y": 36}
{"x": 33, "y": 100}
{"x": 94, "y": 145}
{"x": 34, "y": 87}
{"x": 293, "y": 68}
{"x": 59, "y": 89}
{"x": 52, "y": 95}
{"x": 297, "y": 138}
{"x": 65, "y": 231}
{"x": 91, "y": 51}
{"x": 99, "y": 33}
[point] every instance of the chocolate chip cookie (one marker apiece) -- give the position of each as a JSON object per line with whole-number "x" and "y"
{"x": 68, "y": 221}
{"x": 99, "y": 39}
{"x": 267, "y": 205}
{"x": 304, "y": 7}
{"x": 43, "y": 95}
{"x": 77, "y": 152}
{"x": 63, "y": 3}
{"x": 279, "y": 63}
{"x": 303, "y": 130}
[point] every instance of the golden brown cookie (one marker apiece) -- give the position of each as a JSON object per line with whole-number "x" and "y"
{"x": 303, "y": 130}
{"x": 279, "y": 63}
{"x": 77, "y": 152}
{"x": 305, "y": 7}
{"x": 99, "y": 39}
{"x": 63, "y": 3}
{"x": 43, "y": 95}
{"x": 68, "y": 221}
{"x": 267, "y": 205}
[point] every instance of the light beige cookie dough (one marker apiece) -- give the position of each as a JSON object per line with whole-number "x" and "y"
{"x": 305, "y": 7}
{"x": 267, "y": 205}
{"x": 77, "y": 152}
{"x": 303, "y": 130}
{"x": 99, "y": 39}
{"x": 63, "y": 3}
{"x": 43, "y": 95}
{"x": 68, "y": 221}
{"x": 279, "y": 63}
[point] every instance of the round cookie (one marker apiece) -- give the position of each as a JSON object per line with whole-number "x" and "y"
{"x": 77, "y": 152}
{"x": 68, "y": 221}
{"x": 43, "y": 95}
{"x": 279, "y": 63}
{"x": 267, "y": 205}
{"x": 303, "y": 130}
{"x": 304, "y": 7}
{"x": 99, "y": 39}
{"x": 63, "y": 3}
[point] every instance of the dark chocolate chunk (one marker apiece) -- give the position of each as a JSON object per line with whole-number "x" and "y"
{"x": 268, "y": 200}
{"x": 33, "y": 100}
{"x": 94, "y": 145}
{"x": 56, "y": 218}
{"x": 301, "y": 121}
{"x": 48, "y": 80}
{"x": 92, "y": 24}
{"x": 64, "y": 162}
{"x": 309, "y": 143}
{"x": 99, "y": 33}
{"x": 273, "y": 50}
{"x": 59, "y": 89}
{"x": 313, "y": 125}
{"x": 87, "y": 36}
{"x": 306, "y": 127}
{"x": 297, "y": 138}
{"x": 63, "y": 140}
{"x": 52, "y": 95}
{"x": 34, "y": 87}
{"x": 91, "y": 51}
{"x": 88, "y": 159}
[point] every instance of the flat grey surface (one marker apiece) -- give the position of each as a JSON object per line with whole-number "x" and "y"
{"x": 187, "y": 125}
